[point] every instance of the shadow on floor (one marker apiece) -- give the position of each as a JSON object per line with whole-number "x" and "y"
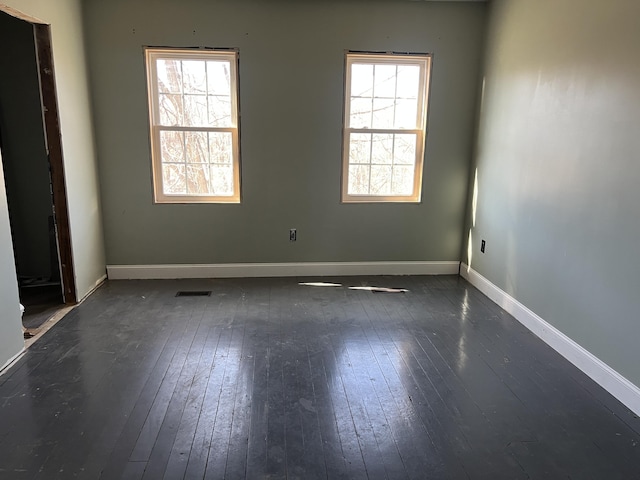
{"x": 41, "y": 302}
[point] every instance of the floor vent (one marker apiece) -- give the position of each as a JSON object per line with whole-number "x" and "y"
{"x": 194, "y": 293}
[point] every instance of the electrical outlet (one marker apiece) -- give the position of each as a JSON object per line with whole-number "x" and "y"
{"x": 482, "y": 245}
{"x": 293, "y": 235}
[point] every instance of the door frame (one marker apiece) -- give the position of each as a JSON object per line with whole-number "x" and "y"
{"x": 53, "y": 144}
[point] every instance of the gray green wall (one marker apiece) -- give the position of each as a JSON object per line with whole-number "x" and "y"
{"x": 291, "y": 94}
{"x": 24, "y": 149}
{"x": 558, "y": 169}
{"x": 11, "y": 340}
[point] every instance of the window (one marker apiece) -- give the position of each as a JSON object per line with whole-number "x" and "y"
{"x": 193, "y": 109}
{"x": 384, "y": 127}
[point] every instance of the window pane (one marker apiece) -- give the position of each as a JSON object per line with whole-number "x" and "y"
{"x": 173, "y": 179}
{"x": 360, "y": 148}
{"x": 383, "y": 113}
{"x": 404, "y": 150}
{"x": 169, "y": 76}
{"x": 361, "y": 80}
{"x": 358, "y": 180}
{"x": 219, "y": 78}
{"x": 220, "y": 147}
{"x": 194, "y": 76}
{"x": 170, "y": 109}
{"x": 408, "y": 81}
{"x": 385, "y": 81}
{"x": 171, "y": 147}
{"x": 382, "y": 149}
{"x": 196, "y": 147}
{"x": 194, "y": 125}
{"x": 219, "y": 111}
{"x": 360, "y": 113}
{"x": 386, "y": 105}
{"x": 380, "y": 180}
{"x": 222, "y": 180}
{"x": 403, "y": 180}
{"x": 198, "y": 179}
{"x": 195, "y": 110}
{"x": 406, "y": 114}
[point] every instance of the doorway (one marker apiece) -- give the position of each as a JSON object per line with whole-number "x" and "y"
{"x": 33, "y": 169}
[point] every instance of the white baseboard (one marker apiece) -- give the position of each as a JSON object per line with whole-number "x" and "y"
{"x": 98, "y": 283}
{"x": 11, "y": 361}
{"x": 235, "y": 270}
{"x": 605, "y": 376}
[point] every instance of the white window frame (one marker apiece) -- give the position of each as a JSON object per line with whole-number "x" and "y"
{"x": 151, "y": 56}
{"x": 424, "y": 62}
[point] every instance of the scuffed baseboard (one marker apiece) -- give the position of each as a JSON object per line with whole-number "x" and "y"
{"x": 12, "y": 360}
{"x": 235, "y": 270}
{"x": 98, "y": 283}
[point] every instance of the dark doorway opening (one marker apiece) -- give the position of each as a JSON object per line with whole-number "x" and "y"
{"x": 32, "y": 160}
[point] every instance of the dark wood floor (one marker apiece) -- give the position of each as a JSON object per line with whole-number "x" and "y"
{"x": 270, "y": 379}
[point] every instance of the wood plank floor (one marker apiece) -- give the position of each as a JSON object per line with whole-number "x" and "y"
{"x": 267, "y": 378}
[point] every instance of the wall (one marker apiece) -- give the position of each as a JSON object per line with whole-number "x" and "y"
{"x": 23, "y": 148}
{"x": 558, "y": 171}
{"x": 77, "y": 135}
{"x": 11, "y": 340}
{"x": 291, "y": 94}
